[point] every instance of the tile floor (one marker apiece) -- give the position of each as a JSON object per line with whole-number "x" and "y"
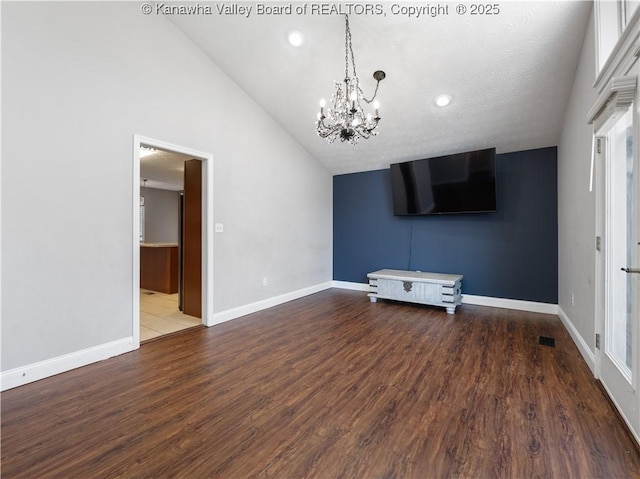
{"x": 159, "y": 315}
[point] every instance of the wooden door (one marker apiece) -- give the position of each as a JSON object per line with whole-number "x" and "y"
{"x": 192, "y": 239}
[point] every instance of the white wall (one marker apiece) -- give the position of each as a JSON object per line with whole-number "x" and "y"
{"x": 577, "y": 206}
{"x": 162, "y": 215}
{"x": 79, "y": 80}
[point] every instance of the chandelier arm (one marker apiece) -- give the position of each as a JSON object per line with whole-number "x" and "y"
{"x": 325, "y": 134}
{"x": 366, "y": 133}
{"x": 325, "y": 131}
{"x": 325, "y": 127}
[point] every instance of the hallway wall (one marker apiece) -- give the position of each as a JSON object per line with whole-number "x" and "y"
{"x": 162, "y": 215}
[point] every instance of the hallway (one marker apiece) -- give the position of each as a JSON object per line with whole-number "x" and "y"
{"x": 159, "y": 315}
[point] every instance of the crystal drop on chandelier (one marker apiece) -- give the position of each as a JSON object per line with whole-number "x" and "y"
{"x": 345, "y": 119}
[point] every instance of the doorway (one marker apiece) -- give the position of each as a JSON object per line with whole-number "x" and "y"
{"x": 203, "y": 242}
{"x": 617, "y": 359}
{"x": 166, "y": 181}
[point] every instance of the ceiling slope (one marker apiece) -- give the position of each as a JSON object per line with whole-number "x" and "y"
{"x": 509, "y": 75}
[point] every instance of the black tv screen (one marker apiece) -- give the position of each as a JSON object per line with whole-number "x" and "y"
{"x": 459, "y": 183}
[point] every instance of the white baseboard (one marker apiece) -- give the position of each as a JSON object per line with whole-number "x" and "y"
{"x": 348, "y": 285}
{"x": 234, "y": 313}
{"x": 517, "y": 304}
{"x": 588, "y": 355}
{"x": 50, "y": 367}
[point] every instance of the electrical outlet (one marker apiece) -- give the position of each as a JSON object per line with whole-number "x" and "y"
{"x": 573, "y": 300}
{"x": 265, "y": 281}
{"x": 219, "y": 228}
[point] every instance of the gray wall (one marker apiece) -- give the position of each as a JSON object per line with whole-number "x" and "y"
{"x": 78, "y": 81}
{"x": 576, "y": 205}
{"x": 162, "y": 215}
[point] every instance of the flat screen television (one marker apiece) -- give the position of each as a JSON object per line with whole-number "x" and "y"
{"x": 458, "y": 183}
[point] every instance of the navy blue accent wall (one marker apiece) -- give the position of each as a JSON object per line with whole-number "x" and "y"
{"x": 512, "y": 253}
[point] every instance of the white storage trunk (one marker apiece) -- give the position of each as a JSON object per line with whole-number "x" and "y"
{"x": 416, "y": 287}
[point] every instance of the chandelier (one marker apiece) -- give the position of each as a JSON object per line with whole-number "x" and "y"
{"x": 345, "y": 117}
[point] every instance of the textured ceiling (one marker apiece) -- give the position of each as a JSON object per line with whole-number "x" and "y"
{"x": 509, "y": 75}
{"x": 163, "y": 170}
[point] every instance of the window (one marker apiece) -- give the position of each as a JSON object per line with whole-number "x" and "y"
{"x": 629, "y": 7}
{"x": 612, "y": 18}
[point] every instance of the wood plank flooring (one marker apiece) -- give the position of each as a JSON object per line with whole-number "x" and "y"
{"x": 328, "y": 386}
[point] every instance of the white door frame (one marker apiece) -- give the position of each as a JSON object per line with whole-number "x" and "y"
{"x": 207, "y": 228}
{"x": 619, "y": 97}
{"x": 616, "y": 88}
{"x": 621, "y": 390}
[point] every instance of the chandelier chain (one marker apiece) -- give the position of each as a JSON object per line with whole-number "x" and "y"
{"x": 347, "y": 46}
{"x": 349, "y": 51}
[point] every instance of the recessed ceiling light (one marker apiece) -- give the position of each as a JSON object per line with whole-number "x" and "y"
{"x": 295, "y": 38}
{"x": 443, "y": 100}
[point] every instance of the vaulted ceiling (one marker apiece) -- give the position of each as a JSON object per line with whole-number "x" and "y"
{"x": 509, "y": 74}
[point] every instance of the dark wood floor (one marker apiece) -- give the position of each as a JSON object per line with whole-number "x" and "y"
{"x": 328, "y": 386}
